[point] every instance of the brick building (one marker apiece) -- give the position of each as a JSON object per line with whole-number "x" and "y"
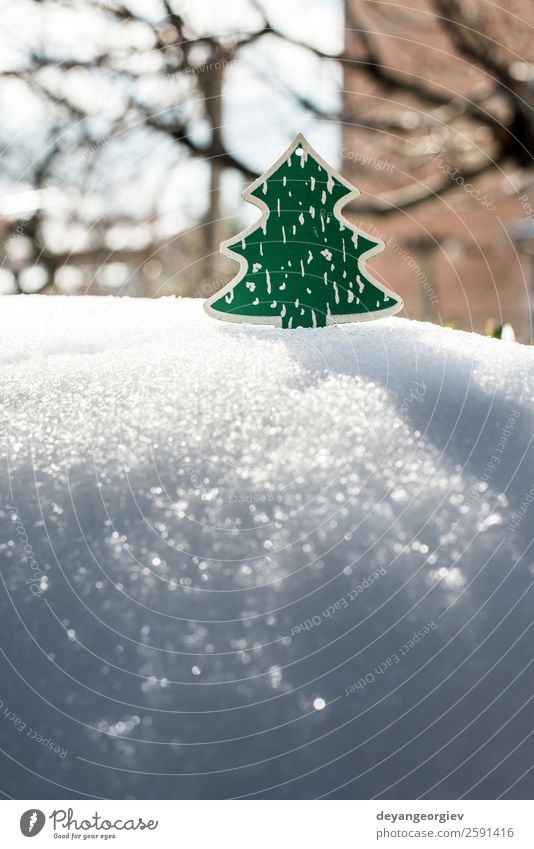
{"x": 452, "y": 258}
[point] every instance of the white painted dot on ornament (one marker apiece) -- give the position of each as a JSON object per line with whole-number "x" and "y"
{"x": 319, "y": 704}
{"x": 299, "y": 151}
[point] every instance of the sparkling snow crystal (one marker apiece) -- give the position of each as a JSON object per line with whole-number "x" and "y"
{"x": 242, "y": 561}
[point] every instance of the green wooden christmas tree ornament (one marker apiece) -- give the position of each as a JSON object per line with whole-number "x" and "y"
{"x": 302, "y": 264}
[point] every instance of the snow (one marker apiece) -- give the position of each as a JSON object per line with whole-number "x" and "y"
{"x": 219, "y": 540}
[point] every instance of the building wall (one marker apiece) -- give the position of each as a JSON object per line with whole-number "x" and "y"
{"x": 452, "y": 259}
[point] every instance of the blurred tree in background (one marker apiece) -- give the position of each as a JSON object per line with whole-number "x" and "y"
{"x": 131, "y": 128}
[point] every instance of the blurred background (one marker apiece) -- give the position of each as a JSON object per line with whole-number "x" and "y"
{"x": 129, "y": 130}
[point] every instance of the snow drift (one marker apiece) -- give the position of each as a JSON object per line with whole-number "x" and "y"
{"x": 241, "y": 561}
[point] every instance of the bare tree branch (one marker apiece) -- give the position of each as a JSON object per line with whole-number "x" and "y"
{"x": 417, "y": 194}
